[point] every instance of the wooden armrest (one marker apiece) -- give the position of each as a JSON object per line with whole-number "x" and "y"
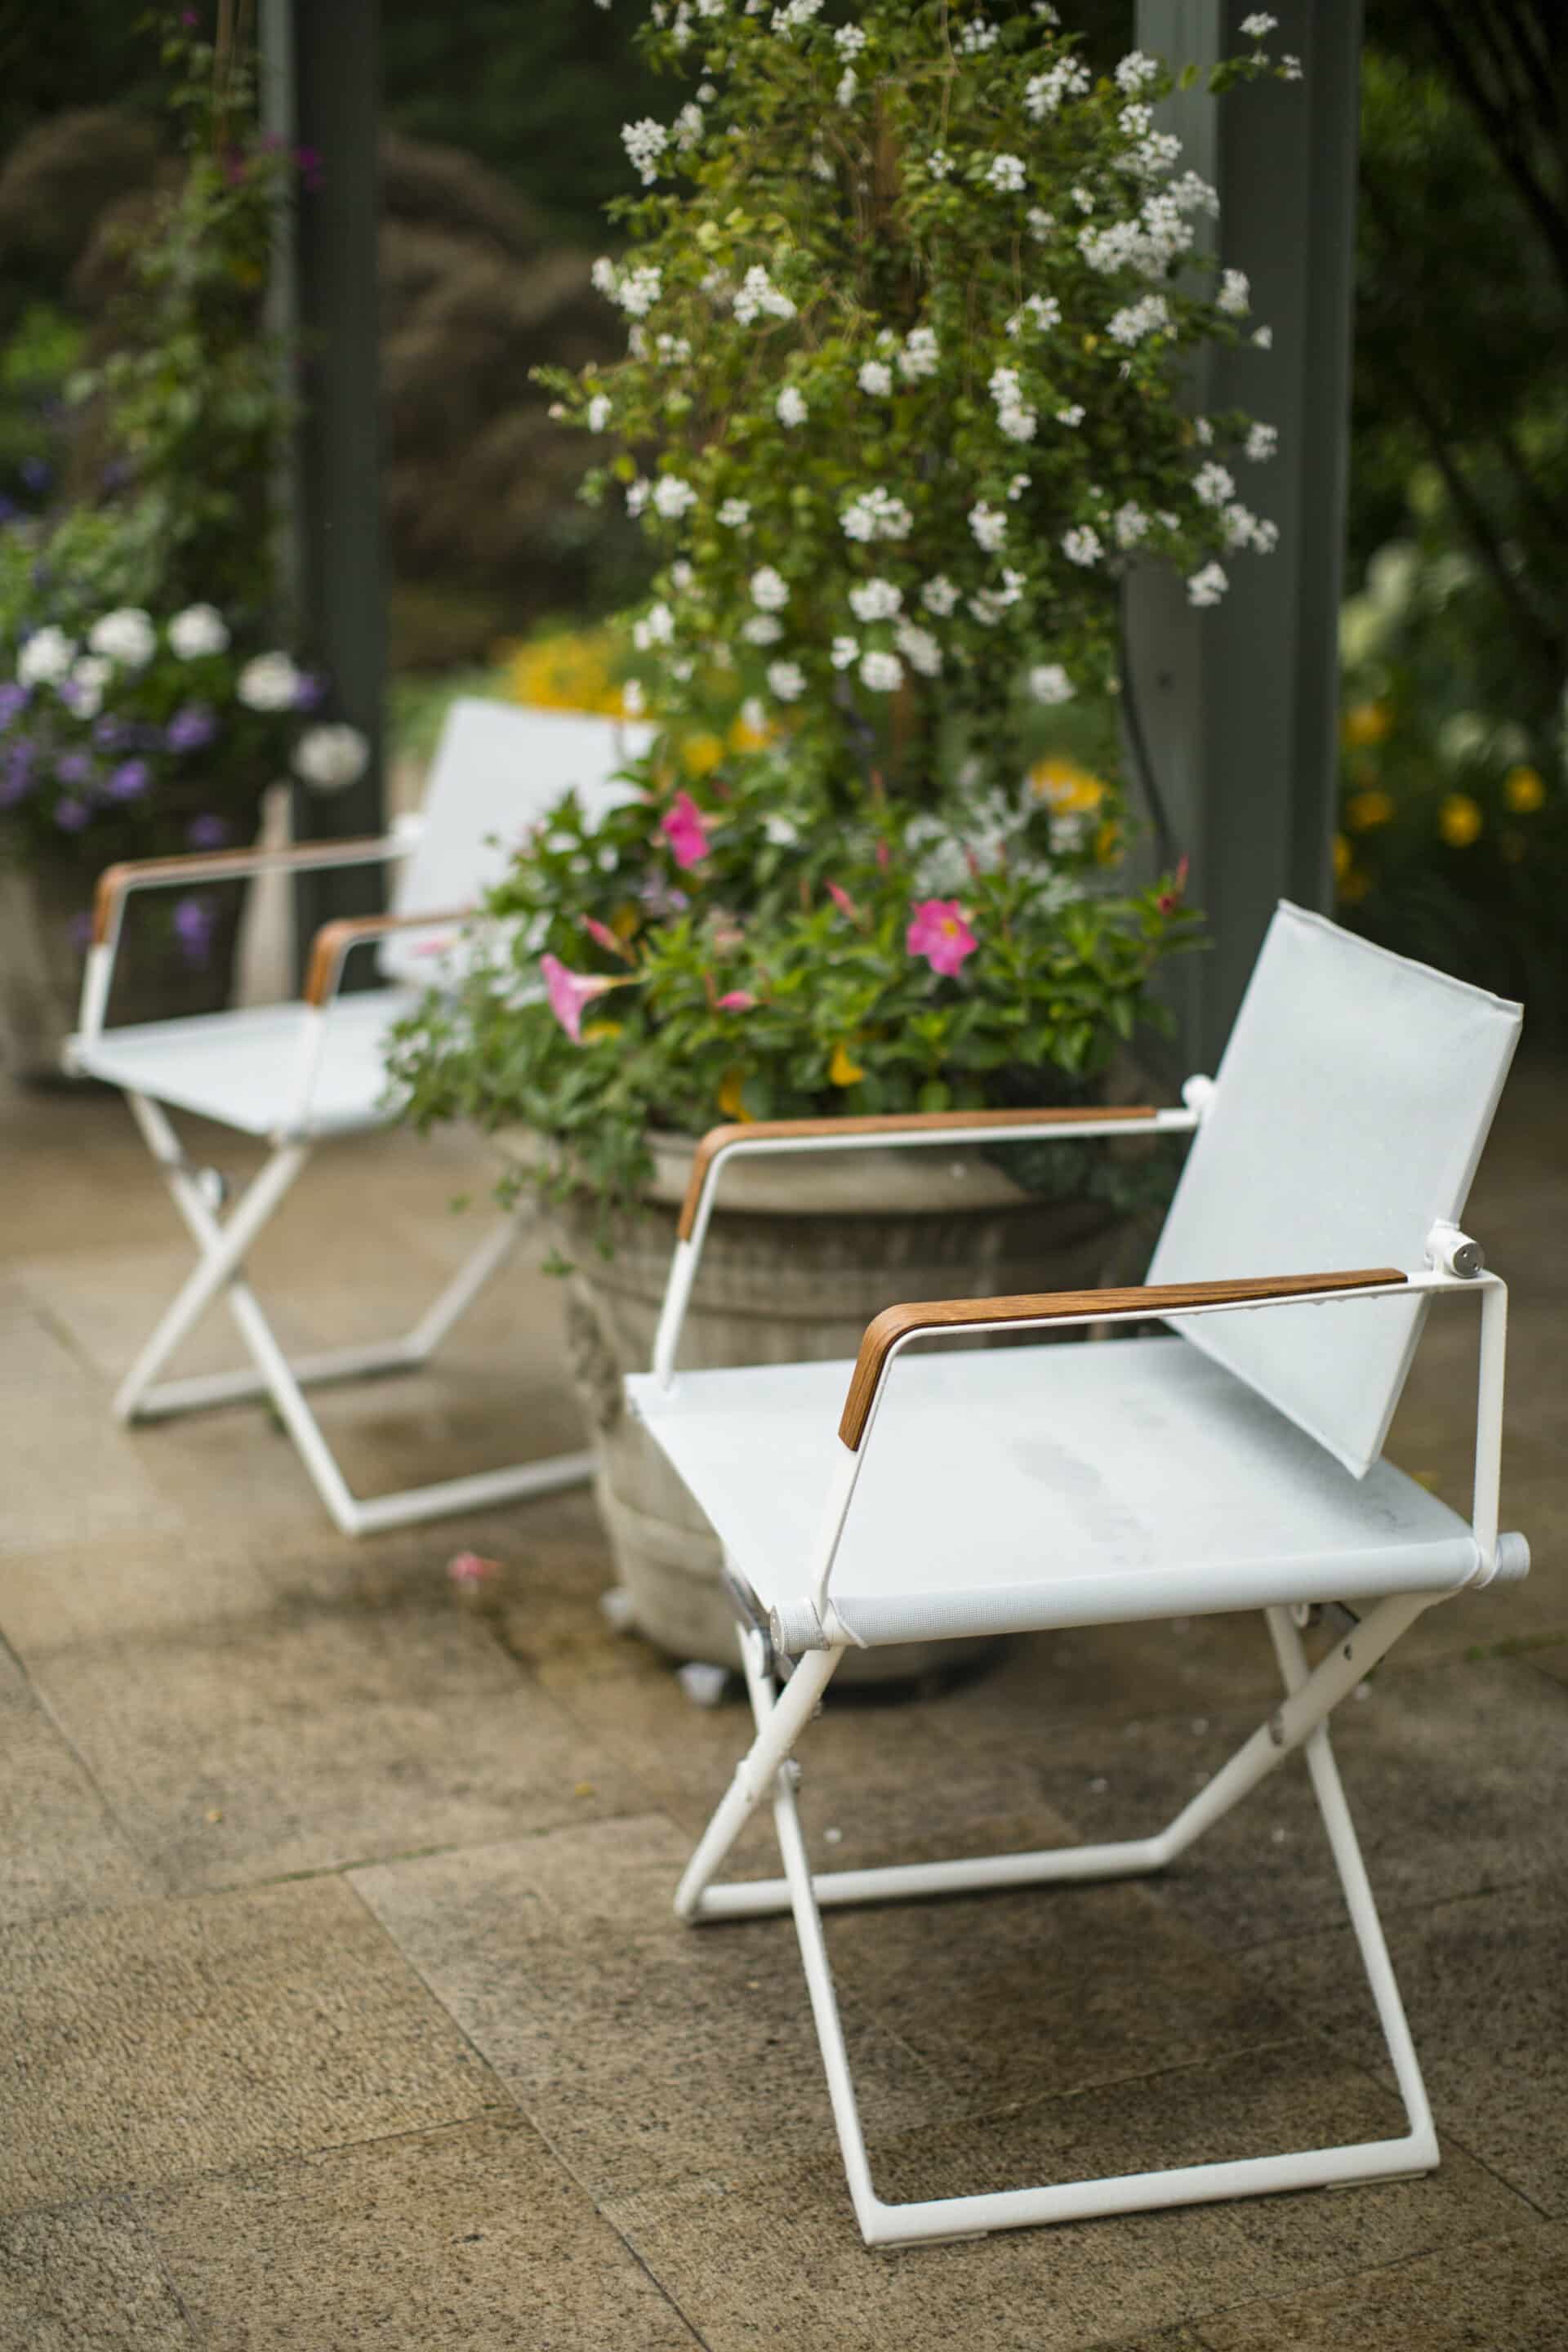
{"x": 904, "y": 1122}
{"x": 333, "y": 940}
{"x": 222, "y": 866}
{"x": 895, "y": 1323}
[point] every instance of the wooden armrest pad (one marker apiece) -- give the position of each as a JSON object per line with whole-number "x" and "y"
{"x": 900, "y": 1122}
{"x": 333, "y": 940}
{"x": 220, "y": 866}
{"x": 1157, "y": 1298}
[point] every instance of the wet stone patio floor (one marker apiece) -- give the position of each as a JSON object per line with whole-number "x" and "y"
{"x": 343, "y": 2005}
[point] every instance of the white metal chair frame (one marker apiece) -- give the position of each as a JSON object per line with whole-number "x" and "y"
{"x": 817, "y": 1641}
{"x": 222, "y": 1243}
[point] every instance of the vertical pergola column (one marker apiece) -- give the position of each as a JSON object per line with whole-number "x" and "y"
{"x": 1238, "y": 703}
{"x": 322, "y": 94}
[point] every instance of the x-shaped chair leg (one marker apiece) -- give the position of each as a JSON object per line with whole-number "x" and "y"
{"x": 222, "y": 1248}
{"x": 1300, "y": 1721}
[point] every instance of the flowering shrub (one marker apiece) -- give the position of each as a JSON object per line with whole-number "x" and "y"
{"x": 734, "y": 949}
{"x": 1453, "y": 840}
{"x": 123, "y": 736}
{"x": 905, "y": 299}
{"x": 900, "y": 405}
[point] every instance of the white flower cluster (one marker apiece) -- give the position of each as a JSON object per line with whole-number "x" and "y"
{"x": 877, "y": 378}
{"x": 1149, "y": 244}
{"x": 758, "y": 296}
{"x": 735, "y": 514}
{"x": 1192, "y": 194}
{"x": 672, "y": 497}
{"x": 1016, "y": 419}
{"x": 645, "y": 142}
{"x": 1129, "y": 524}
{"x": 1071, "y": 415}
{"x": 761, "y": 629}
{"x": 989, "y": 525}
{"x": 596, "y": 415}
{"x": 1151, "y": 316}
{"x": 1007, "y": 175}
{"x": 848, "y": 83}
{"x": 1043, "y": 310}
{"x": 1207, "y": 586}
{"x": 921, "y": 355}
{"x": 200, "y": 629}
{"x": 1257, "y": 27}
{"x": 1235, "y": 293}
{"x": 1018, "y": 484}
{"x": 787, "y": 680}
{"x": 1082, "y": 545}
{"x": 850, "y": 40}
{"x": 47, "y": 656}
{"x": 1048, "y": 91}
{"x": 1136, "y": 72}
{"x": 939, "y": 595}
{"x": 1262, "y": 441}
{"x": 876, "y": 514}
{"x": 843, "y": 651}
{"x": 1040, "y": 222}
{"x": 673, "y": 350}
{"x": 689, "y": 125}
{"x": 988, "y": 604}
{"x": 883, "y": 673}
{"x": 633, "y": 291}
{"x": 1049, "y": 683}
{"x": 938, "y": 164}
{"x": 790, "y": 407}
{"x": 656, "y": 628}
{"x": 328, "y": 759}
{"x": 1214, "y": 484}
{"x": 770, "y": 590}
{"x": 976, "y": 36}
{"x": 1244, "y": 529}
{"x": 794, "y": 14}
{"x": 919, "y": 648}
{"x": 876, "y": 600}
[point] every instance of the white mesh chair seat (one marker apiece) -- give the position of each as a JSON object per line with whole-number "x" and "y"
{"x": 243, "y": 1069}
{"x": 1015, "y": 1488}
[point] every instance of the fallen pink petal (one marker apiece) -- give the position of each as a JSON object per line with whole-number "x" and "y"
{"x": 471, "y": 1567}
{"x": 939, "y": 932}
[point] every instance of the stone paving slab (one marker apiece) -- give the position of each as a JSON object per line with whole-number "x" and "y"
{"x": 1508, "y": 2297}
{"x": 148, "y": 2044}
{"x": 61, "y": 1847}
{"x": 247, "y": 1752}
{"x": 472, "y": 2238}
{"x": 87, "y": 2278}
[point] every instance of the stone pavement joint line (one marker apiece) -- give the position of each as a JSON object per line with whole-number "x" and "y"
{"x": 344, "y": 2005}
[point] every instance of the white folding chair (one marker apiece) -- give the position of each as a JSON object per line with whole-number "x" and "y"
{"x": 314, "y": 1071}
{"x": 1230, "y": 1462}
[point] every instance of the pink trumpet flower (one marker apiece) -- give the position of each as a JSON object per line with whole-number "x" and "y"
{"x": 569, "y": 991}
{"x": 735, "y": 1000}
{"x": 684, "y": 827}
{"x": 844, "y": 902}
{"x": 938, "y": 932}
{"x": 602, "y": 936}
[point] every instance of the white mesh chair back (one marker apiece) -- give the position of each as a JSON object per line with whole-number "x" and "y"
{"x": 496, "y": 770}
{"x": 1349, "y": 1115}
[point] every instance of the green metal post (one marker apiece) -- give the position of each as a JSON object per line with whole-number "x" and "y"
{"x": 1238, "y": 703}
{"x": 322, "y": 85}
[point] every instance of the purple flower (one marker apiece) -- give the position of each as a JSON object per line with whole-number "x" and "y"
{"x": 193, "y": 929}
{"x": 191, "y": 730}
{"x": 36, "y": 475}
{"x": 13, "y": 702}
{"x": 309, "y": 691}
{"x": 207, "y": 831}
{"x": 129, "y": 779}
{"x": 70, "y": 815}
{"x": 111, "y": 734}
{"x": 309, "y": 160}
{"x": 74, "y": 768}
{"x": 17, "y": 780}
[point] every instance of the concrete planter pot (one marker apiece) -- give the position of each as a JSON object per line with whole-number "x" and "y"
{"x": 801, "y": 1254}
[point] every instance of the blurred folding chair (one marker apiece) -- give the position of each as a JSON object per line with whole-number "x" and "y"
{"x": 1230, "y": 1462}
{"x": 314, "y": 1071}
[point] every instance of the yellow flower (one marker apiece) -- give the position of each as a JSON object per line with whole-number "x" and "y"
{"x": 1342, "y": 857}
{"x": 595, "y": 1030}
{"x": 565, "y": 673}
{"x": 1106, "y": 843}
{"x": 1458, "y": 820}
{"x": 841, "y": 1070}
{"x": 729, "y": 1101}
{"x": 1070, "y": 790}
{"x": 1354, "y": 885}
{"x": 1365, "y": 722}
{"x": 746, "y": 739}
{"x": 701, "y": 754}
{"x": 1363, "y": 811}
{"x": 1523, "y": 790}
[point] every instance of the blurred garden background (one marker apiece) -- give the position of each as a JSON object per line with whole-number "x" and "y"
{"x": 502, "y": 143}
